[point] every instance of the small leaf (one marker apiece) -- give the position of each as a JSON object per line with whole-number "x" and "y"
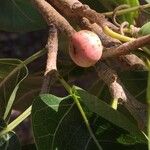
{"x": 13, "y": 95}
{"x": 145, "y": 29}
{"x": 11, "y": 76}
{"x": 128, "y": 139}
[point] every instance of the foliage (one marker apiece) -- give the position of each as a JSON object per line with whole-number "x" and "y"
{"x": 19, "y": 16}
{"x": 57, "y": 121}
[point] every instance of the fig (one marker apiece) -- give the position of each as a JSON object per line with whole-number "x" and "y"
{"x": 85, "y": 48}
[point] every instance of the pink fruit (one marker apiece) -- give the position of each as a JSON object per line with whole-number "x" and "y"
{"x": 85, "y": 48}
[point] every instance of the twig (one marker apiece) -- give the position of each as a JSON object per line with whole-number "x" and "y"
{"x": 116, "y": 10}
{"x": 107, "y": 41}
{"x": 127, "y": 47}
{"x": 51, "y": 64}
{"x": 118, "y": 91}
{"x": 75, "y": 9}
{"x": 52, "y": 16}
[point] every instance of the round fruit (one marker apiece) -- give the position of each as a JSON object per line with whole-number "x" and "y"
{"x": 85, "y": 48}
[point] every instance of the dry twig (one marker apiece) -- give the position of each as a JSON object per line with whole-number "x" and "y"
{"x": 75, "y": 9}
{"x": 51, "y": 64}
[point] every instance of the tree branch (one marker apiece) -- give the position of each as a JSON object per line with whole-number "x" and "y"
{"x": 51, "y": 64}
{"x": 75, "y": 9}
{"x": 52, "y": 16}
{"x": 127, "y": 47}
{"x": 118, "y": 91}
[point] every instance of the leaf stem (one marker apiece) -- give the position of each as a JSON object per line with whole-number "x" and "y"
{"x": 118, "y": 36}
{"x": 17, "y": 121}
{"x": 123, "y": 11}
{"x": 72, "y": 92}
{"x": 114, "y": 103}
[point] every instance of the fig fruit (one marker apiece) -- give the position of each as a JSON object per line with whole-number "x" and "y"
{"x": 85, "y": 48}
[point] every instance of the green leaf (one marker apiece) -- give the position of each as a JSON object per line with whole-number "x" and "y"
{"x": 57, "y": 124}
{"x": 128, "y": 139}
{"x": 13, "y": 96}
{"x": 131, "y": 16}
{"x": 9, "y": 141}
{"x": 20, "y": 16}
{"x": 145, "y": 29}
{"x": 10, "y": 78}
{"x": 105, "y": 111}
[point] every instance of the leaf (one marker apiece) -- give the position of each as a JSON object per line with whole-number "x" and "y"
{"x": 57, "y": 124}
{"x": 105, "y": 111}
{"x": 11, "y": 77}
{"x": 145, "y": 29}
{"x": 20, "y": 16}
{"x": 131, "y": 16}
{"x": 13, "y": 96}
{"x": 128, "y": 139}
{"x": 9, "y": 141}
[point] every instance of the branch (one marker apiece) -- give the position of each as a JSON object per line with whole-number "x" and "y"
{"x": 52, "y": 16}
{"x": 122, "y": 63}
{"x": 118, "y": 91}
{"x": 107, "y": 41}
{"x": 127, "y": 47}
{"x": 51, "y": 64}
{"x": 75, "y": 9}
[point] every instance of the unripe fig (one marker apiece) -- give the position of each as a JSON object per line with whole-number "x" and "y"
{"x": 85, "y": 48}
